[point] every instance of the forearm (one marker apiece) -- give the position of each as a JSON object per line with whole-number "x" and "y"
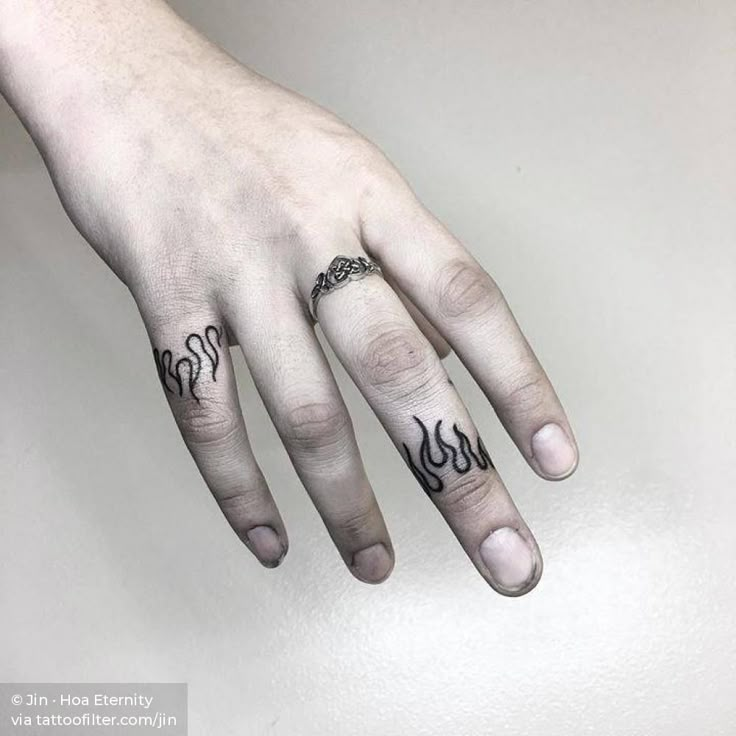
{"x": 63, "y": 61}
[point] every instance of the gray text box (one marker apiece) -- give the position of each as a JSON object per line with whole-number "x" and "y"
{"x": 89, "y": 709}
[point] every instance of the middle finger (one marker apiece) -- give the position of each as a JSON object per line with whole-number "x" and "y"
{"x": 300, "y": 393}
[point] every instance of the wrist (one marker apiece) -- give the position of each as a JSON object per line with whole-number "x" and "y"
{"x": 18, "y": 24}
{"x": 62, "y": 60}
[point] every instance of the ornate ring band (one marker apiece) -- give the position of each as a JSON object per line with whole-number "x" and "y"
{"x": 340, "y": 272}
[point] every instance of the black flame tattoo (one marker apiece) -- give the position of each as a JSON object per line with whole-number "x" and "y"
{"x": 186, "y": 372}
{"x": 459, "y": 452}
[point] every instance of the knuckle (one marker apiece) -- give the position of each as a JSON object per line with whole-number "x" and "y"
{"x": 361, "y": 157}
{"x": 242, "y": 504}
{"x": 316, "y": 426}
{"x": 397, "y": 358}
{"x": 377, "y": 174}
{"x": 466, "y": 495}
{"x": 527, "y": 396}
{"x": 171, "y": 278}
{"x": 465, "y": 289}
{"x": 354, "y": 521}
{"x": 387, "y": 204}
{"x": 209, "y": 422}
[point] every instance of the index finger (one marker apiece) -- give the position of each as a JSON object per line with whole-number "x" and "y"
{"x": 468, "y": 309}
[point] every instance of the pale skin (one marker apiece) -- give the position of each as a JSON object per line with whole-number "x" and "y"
{"x": 217, "y": 197}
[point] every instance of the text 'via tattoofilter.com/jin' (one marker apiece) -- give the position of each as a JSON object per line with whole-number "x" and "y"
{"x": 88, "y": 709}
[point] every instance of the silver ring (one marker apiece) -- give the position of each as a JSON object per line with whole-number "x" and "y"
{"x": 340, "y": 272}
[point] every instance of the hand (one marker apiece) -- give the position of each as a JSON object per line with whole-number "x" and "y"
{"x": 218, "y": 197}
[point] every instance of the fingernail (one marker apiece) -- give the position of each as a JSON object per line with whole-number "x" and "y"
{"x": 509, "y": 559}
{"x": 372, "y": 564}
{"x": 266, "y": 545}
{"x": 552, "y": 449}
